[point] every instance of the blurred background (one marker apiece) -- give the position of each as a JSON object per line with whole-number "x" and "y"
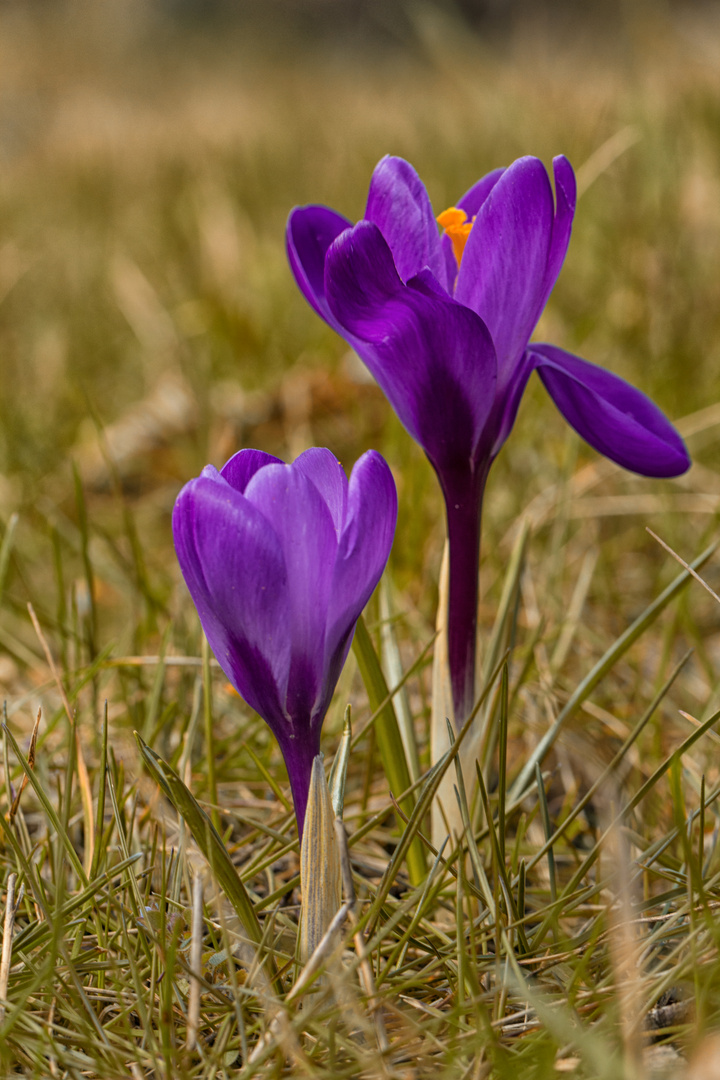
{"x": 150, "y": 151}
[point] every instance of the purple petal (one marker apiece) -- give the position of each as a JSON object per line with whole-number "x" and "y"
{"x": 503, "y": 270}
{"x": 241, "y": 467}
{"x": 301, "y": 520}
{"x": 614, "y": 417}
{"x": 209, "y": 472}
{"x": 433, "y": 358}
{"x": 327, "y": 474}
{"x": 362, "y": 554}
{"x": 400, "y": 207}
{"x": 509, "y": 400}
{"x": 471, "y": 202}
{"x": 310, "y": 231}
{"x": 475, "y": 196}
{"x": 565, "y": 197}
{"x": 233, "y": 566}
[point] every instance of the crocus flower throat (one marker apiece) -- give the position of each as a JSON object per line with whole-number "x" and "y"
{"x": 454, "y": 223}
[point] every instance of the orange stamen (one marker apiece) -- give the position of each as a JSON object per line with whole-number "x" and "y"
{"x": 455, "y": 224}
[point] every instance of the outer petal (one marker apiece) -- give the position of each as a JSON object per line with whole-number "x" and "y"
{"x": 433, "y": 358}
{"x": 296, "y": 511}
{"x": 400, "y": 207}
{"x": 234, "y": 568}
{"x": 503, "y": 270}
{"x": 310, "y": 231}
{"x": 327, "y": 474}
{"x": 362, "y": 553}
{"x": 240, "y": 469}
{"x": 611, "y": 415}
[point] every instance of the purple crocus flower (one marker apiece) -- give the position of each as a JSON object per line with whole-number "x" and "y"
{"x": 280, "y": 560}
{"x": 444, "y": 325}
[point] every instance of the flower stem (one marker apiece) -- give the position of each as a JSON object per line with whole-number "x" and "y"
{"x": 463, "y": 502}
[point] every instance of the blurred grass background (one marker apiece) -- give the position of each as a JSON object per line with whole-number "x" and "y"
{"x": 149, "y": 156}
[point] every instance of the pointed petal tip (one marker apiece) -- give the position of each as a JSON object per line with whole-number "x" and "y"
{"x": 398, "y": 203}
{"x": 239, "y": 470}
{"x": 310, "y": 231}
{"x": 565, "y": 186}
{"x": 326, "y": 473}
{"x": 317, "y": 457}
{"x": 372, "y": 472}
{"x": 562, "y": 163}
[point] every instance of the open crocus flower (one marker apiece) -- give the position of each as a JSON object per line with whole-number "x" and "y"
{"x": 443, "y": 322}
{"x": 280, "y": 560}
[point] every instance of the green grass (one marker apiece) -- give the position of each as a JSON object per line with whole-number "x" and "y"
{"x": 148, "y": 325}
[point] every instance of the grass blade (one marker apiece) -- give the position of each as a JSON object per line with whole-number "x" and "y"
{"x": 47, "y": 807}
{"x": 209, "y": 733}
{"x": 389, "y": 741}
{"x": 604, "y": 664}
{"x": 207, "y": 839}
{"x": 83, "y": 525}
{"x": 547, "y": 829}
{"x": 338, "y": 771}
{"x": 499, "y": 635}
{"x": 319, "y": 865}
{"x": 6, "y": 549}
{"x": 100, "y": 815}
{"x": 393, "y": 667}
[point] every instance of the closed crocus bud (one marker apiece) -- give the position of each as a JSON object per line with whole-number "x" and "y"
{"x": 280, "y": 561}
